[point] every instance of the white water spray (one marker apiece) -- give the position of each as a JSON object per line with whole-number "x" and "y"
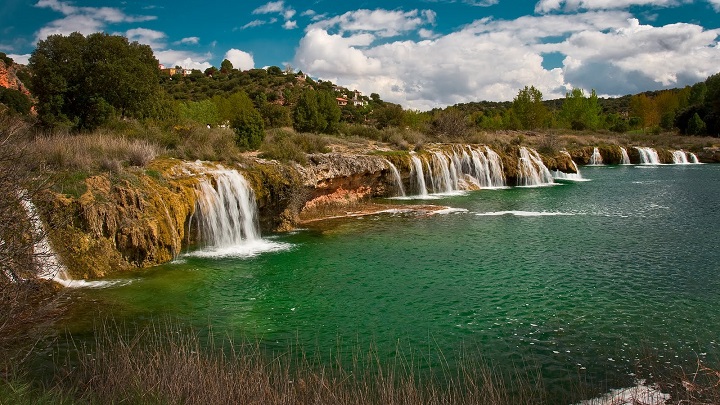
{"x": 596, "y": 159}
{"x": 558, "y": 175}
{"x": 396, "y": 178}
{"x": 625, "y": 158}
{"x": 419, "y": 175}
{"x": 226, "y": 213}
{"x": 443, "y": 174}
{"x": 47, "y": 260}
{"x": 648, "y": 156}
{"x": 680, "y": 158}
{"x": 532, "y": 172}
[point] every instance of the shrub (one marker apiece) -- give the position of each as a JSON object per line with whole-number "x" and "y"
{"x": 289, "y": 146}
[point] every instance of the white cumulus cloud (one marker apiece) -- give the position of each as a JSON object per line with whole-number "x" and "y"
{"x": 383, "y": 23}
{"x": 190, "y": 40}
{"x": 544, "y": 6}
{"x": 155, "y": 39}
{"x": 21, "y": 59}
{"x": 240, "y": 59}
{"x": 491, "y": 59}
{"x": 185, "y": 59}
{"x": 85, "y": 20}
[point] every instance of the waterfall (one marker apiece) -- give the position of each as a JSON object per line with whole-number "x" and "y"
{"x": 396, "y": 177}
{"x": 625, "y": 158}
{"x": 532, "y": 171}
{"x": 226, "y": 212}
{"x": 480, "y": 167}
{"x": 227, "y": 218}
{"x": 47, "y": 260}
{"x": 596, "y": 158}
{"x": 648, "y": 156}
{"x": 463, "y": 167}
{"x": 558, "y": 175}
{"x": 443, "y": 174}
{"x": 680, "y": 158}
{"x": 417, "y": 169}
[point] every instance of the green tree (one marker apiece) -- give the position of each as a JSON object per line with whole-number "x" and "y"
{"x": 697, "y": 94}
{"x": 529, "y": 108}
{"x": 15, "y": 100}
{"x": 244, "y": 119}
{"x": 696, "y": 126}
{"x": 579, "y": 112}
{"x": 203, "y": 112}
{"x": 306, "y": 115}
{"x": 226, "y": 66}
{"x": 330, "y": 111}
{"x": 8, "y": 60}
{"x": 83, "y": 81}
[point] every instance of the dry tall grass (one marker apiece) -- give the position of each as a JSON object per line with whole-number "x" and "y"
{"x": 93, "y": 152}
{"x": 167, "y": 364}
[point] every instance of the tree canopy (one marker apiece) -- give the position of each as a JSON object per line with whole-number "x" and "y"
{"x": 82, "y": 82}
{"x": 529, "y": 108}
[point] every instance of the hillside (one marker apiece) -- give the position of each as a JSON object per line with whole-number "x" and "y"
{"x": 13, "y": 92}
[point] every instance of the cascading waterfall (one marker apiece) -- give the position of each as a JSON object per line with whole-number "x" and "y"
{"x": 625, "y": 158}
{"x": 464, "y": 167}
{"x": 397, "y": 178}
{"x": 680, "y": 158}
{"x": 50, "y": 267}
{"x": 226, "y": 211}
{"x": 481, "y": 167}
{"x": 443, "y": 174}
{"x": 227, "y": 218}
{"x": 418, "y": 175}
{"x": 47, "y": 260}
{"x": 596, "y": 158}
{"x": 532, "y": 172}
{"x": 495, "y": 172}
{"x": 558, "y": 175}
{"x": 648, "y": 156}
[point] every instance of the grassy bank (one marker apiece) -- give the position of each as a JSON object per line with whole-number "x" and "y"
{"x": 166, "y": 363}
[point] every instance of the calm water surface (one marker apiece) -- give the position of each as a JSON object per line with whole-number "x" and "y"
{"x": 581, "y": 278}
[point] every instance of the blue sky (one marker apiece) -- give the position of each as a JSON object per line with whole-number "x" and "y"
{"x": 421, "y": 54}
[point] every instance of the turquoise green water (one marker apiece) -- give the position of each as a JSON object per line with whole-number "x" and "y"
{"x": 580, "y": 279}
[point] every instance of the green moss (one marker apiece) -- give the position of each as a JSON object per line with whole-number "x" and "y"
{"x": 71, "y": 183}
{"x": 154, "y": 174}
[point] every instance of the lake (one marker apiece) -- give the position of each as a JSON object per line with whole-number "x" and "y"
{"x": 582, "y": 280}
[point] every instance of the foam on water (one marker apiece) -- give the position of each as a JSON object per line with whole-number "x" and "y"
{"x": 640, "y": 394}
{"x": 449, "y": 210}
{"x": 246, "y": 250}
{"x": 524, "y": 214}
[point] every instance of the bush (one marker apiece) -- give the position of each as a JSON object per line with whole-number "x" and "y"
{"x": 288, "y": 146}
{"x": 92, "y": 152}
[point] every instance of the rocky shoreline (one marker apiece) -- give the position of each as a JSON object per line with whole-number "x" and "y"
{"x": 143, "y": 218}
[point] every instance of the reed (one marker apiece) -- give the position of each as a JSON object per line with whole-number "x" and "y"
{"x": 165, "y": 363}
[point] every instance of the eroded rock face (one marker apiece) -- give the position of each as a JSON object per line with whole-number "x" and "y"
{"x": 334, "y": 180}
{"x": 141, "y": 217}
{"x": 709, "y": 155}
{"x": 9, "y": 79}
{"x": 116, "y": 224}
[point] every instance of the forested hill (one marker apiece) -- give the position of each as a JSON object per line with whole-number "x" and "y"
{"x": 84, "y": 82}
{"x": 276, "y": 92}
